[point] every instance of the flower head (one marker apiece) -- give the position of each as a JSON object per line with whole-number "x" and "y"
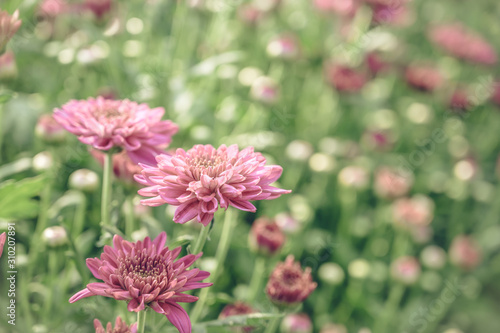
{"x": 146, "y": 274}
{"x": 345, "y": 79}
{"x": 8, "y": 27}
{"x": 202, "y": 178}
{"x": 120, "y": 327}
{"x": 98, "y": 7}
{"x": 105, "y": 124}
{"x": 3, "y": 237}
{"x": 236, "y": 309}
{"x": 464, "y": 252}
{"x": 266, "y": 236}
{"x": 423, "y": 78}
{"x": 289, "y": 284}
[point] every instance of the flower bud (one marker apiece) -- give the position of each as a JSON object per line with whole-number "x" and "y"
{"x": 236, "y": 309}
{"x": 42, "y": 161}
{"x": 288, "y": 284}
{"x": 359, "y": 268}
{"x": 98, "y": 7}
{"x": 84, "y": 180}
{"x": 287, "y": 223}
{"x": 55, "y": 236}
{"x": 433, "y": 256}
{"x": 405, "y": 270}
{"x": 464, "y": 252}
{"x": 391, "y": 184}
{"x": 49, "y": 130}
{"x": 9, "y": 24}
{"x": 296, "y": 323}
{"x": 120, "y": 327}
{"x": 266, "y": 237}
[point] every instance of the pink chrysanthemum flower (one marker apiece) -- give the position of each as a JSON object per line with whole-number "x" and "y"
{"x": 105, "y": 124}
{"x": 201, "y": 179}
{"x": 3, "y": 237}
{"x": 146, "y": 274}
{"x": 120, "y": 327}
{"x": 8, "y": 27}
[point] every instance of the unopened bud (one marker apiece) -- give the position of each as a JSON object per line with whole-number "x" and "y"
{"x": 55, "y": 236}
{"x": 84, "y": 180}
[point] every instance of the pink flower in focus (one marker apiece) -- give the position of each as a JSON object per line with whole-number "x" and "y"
{"x": 201, "y": 179}
{"x": 3, "y": 237}
{"x": 123, "y": 167}
{"x": 146, "y": 274}
{"x": 423, "y": 78}
{"x": 464, "y": 252}
{"x": 459, "y": 41}
{"x": 8, "y": 27}
{"x": 120, "y": 327}
{"x": 289, "y": 284}
{"x": 105, "y": 124}
{"x": 345, "y": 79}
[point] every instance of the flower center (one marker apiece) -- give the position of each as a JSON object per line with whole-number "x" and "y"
{"x": 108, "y": 112}
{"x": 142, "y": 267}
{"x": 208, "y": 163}
{"x": 290, "y": 277}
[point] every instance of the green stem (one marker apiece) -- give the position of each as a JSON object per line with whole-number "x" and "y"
{"x": 79, "y": 219}
{"x": 390, "y": 308}
{"x": 273, "y": 325}
{"x": 141, "y": 321}
{"x": 257, "y": 275}
{"x": 106, "y": 190}
{"x": 200, "y": 242}
{"x": 220, "y": 258}
{"x": 129, "y": 216}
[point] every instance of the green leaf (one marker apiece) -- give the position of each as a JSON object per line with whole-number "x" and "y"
{"x": 16, "y": 198}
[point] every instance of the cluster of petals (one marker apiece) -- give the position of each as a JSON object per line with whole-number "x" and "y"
{"x": 459, "y": 41}
{"x": 203, "y": 178}
{"x": 8, "y": 27}
{"x": 146, "y": 273}
{"x": 289, "y": 284}
{"x": 105, "y": 124}
{"x": 120, "y": 327}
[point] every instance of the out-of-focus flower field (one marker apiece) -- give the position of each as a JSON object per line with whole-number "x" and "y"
{"x": 381, "y": 116}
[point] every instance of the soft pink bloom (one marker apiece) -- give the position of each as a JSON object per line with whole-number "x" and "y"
{"x": 289, "y": 284}
{"x": 146, "y": 274}
{"x": 424, "y": 78}
{"x": 237, "y": 309}
{"x": 340, "y": 7}
{"x": 265, "y": 89}
{"x": 390, "y": 184}
{"x": 284, "y": 47}
{"x": 52, "y": 8}
{"x": 459, "y": 41}
{"x": 120, "y": 327}
{"x": 398, "y": 15}
{"x": 460, "y": 101}
{"x": 3, "y": 237}
{"x": 8, "y": 68}
{"x": 265, "y": 236}
{"x": 297, "y": 323}
{"x": 105, "y": 124}
{"x": 98, "y": 7}
{"x": 8, "y": 27}
{"x": 465, "y": 253}
{"x": 405, "y": 270}
{"x": 413, "y": 212}
{"x": 48, "y": 129}
{"x": 375, "y": 64}
{"x": 345, "y": 79}
{"x": 201, "y": 179}
{"x": 123, "y": 167}
{"x": 249, "y": 14}
{"x": 378, "y": 140}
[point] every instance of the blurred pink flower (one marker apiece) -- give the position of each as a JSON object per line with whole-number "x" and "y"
{"x": 249, "y": 14}
{"x": 9, "y": 24}
{"x": 201, "y": 179}
{"x": 375, "y": 64}
{"x": 236, "y": 309}
{"x": 297, "y": 323}
{"x": 98, "y": 7}
{"x": 464, "y": 252}
{"x": 123, "y": 167}
{"x": 289, "y": 284}
{"x": 340, "y": 7}
{"x": 146, "y": 274}
{"x": 265, "y": 236}
{"x": 424, "y": 78}
{"x": 495, "y": 96}
{"x": 390, "y": 184}
{"x": 105, "y": 124}
{"x": 52, "y": 8}
{"x": 405, "y": 270}
{"x": 284, "y": 47}
{"x": 345, "y": 79}
{"x": 48, "y": 129}
{"x": 120, "y": 327}
{"x": 413, "y": 212}
{"x": 459, "y": 41}
{"x": 460, "y": 101}
{"x": 8, "y": 68}
{"x": 396, "y": 15}
{"x": 3, "y": 237}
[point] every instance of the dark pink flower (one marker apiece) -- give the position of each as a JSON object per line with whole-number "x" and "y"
{"x": 237, "y": 309}
{"x": 424, "y": 78}
{"x": 105, "y": 124}
{"x": 465, "y": 253}
{"x": 460, "y": 101}
{"x": 375, "y": 64}
{"x": 146, "y": 274}
{"x": 398, "y": 15}
{"x": 345, "y": 79}
{"x": 459, "y": 41}
{"x": 98, "y": 7}
{"x": 201, "y": 179}
{"x": 266, "y": 237}
{"x": 289, "y": 284}
{"x": 120, "y": 327}
{"x": 3, "y": 237}
{"x": 9, "y": 24}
